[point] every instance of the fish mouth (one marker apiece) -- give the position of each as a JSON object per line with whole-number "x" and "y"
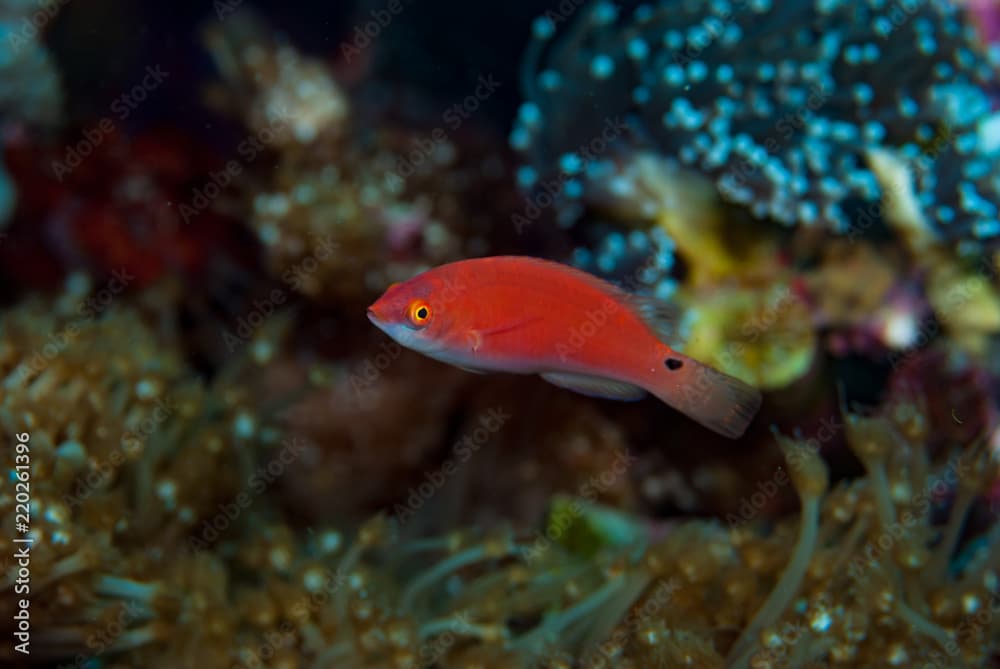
{"x": 372, "y": 316}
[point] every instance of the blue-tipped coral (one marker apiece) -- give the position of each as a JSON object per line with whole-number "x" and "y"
{"x": 30, "y": 89}
{"x": 779, "y": 104}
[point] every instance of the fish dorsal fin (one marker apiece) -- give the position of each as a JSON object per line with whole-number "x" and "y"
{"x": 595, "y": 386}
{"x": 581, "y": 275}
{"x": 663, "y": 318}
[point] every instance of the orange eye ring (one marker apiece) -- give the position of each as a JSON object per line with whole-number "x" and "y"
{"x": 419, "y": 313}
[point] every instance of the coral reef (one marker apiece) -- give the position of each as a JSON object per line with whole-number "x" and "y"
{"x": 230, "y": 469}
{"x": 705, "y": 119}
{"x": 860, "y": 579}
{"x": 30, "y": 89}
{"x": 352, "y": 194}
{"x": 125, "y": 205}
{"x": 122, "y": 437}
{"x": 779, "y": 105}
{"x": 542, "y": 444}
{"x": 145, "y": 563}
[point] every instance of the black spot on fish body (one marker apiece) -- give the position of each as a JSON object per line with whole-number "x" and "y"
{"x": 673, "y": 364}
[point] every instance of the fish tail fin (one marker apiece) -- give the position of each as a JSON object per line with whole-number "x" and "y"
{"x": 720, "y": 402}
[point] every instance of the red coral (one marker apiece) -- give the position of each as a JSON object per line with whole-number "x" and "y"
{"x": 958, "y": 396}
{"x": 117, "y": 209}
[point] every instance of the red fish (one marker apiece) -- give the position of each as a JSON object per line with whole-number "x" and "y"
{"x": 532, "y": 316}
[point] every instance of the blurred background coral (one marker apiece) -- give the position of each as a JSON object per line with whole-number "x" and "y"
{"x": 230, "y": 467}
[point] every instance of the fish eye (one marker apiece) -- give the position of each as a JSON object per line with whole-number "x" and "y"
{"x": 420, "y": 313}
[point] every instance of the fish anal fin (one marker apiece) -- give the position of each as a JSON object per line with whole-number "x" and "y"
{"x": 595, "y": 386}
{"x": 471, "y": 369}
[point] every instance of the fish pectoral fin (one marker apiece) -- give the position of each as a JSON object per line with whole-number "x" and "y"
{"x": 595, "y": 386}
{"x": 513, "y": 325}
{"x": 477, "y": 337}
